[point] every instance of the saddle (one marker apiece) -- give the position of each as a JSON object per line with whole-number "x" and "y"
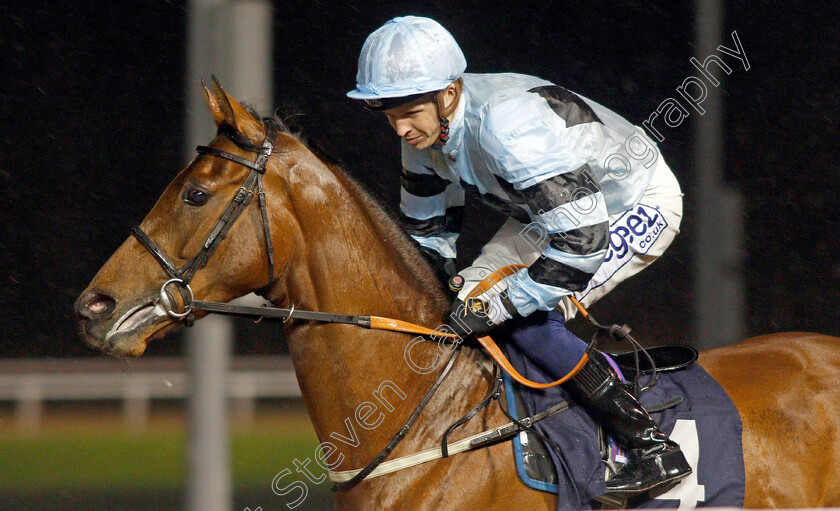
{"x": 686, "y": 402}
{"x": 533, "y": 462}
{"x": 665, "y": 359}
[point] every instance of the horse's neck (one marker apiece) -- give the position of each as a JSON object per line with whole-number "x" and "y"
{"x": 347, "y": 371}
{"x": 355, "y": 258}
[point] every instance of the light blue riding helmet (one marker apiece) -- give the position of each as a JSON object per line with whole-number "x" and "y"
{"x": 404, "y": 59}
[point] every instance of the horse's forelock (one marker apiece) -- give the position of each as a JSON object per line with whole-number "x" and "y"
{"x": 242, "y": 139}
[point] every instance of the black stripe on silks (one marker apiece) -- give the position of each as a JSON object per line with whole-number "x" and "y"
{"x": 568, "y": 105}
{"x": 423, "y": 228}
{"x": 517, "y": 213}
{"x": 585, "y": 240}
{"x": 504, "y": 207}
{"x": 454, "y": 217}
{"x": 561, "y": 189}
{"x": 514, "y": 194}
{"x": 470, "y": 189}
{"x": 554, "y": 273}
{"x": 450, "y": 222}
{"x": 422, "y": 185}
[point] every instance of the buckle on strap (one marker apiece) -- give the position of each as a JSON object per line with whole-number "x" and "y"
{"x": 253, "y": 165}
{"x": 166, "y": 301}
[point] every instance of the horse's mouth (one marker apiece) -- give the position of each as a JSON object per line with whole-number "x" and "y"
{"x": 135, "y": 321}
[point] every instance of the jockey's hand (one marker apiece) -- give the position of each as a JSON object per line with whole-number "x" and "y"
{"x": 478, "y": 317}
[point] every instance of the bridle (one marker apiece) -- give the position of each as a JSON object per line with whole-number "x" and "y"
{"x": 182, "y": 276}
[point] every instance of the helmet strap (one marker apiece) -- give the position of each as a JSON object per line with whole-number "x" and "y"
{"x": 444, "y": 113}
{"x": 444, "y": 130}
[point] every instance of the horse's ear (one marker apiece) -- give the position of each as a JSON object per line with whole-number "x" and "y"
{"x": 234, "y": 114}
{"x": 213, "y": 104}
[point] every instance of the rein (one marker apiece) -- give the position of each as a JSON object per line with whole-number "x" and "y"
{"x": 373, "y": 323}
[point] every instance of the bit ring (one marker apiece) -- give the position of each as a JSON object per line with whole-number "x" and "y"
{"x": 167, "y": 304}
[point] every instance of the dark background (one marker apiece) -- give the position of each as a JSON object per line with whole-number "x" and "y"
{"x": 93, "y": 108}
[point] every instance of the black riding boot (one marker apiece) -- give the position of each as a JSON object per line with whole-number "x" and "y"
{"x": 653, "y": 459}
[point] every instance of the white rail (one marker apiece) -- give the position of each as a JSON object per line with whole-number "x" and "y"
{"x": 29, "y": 383}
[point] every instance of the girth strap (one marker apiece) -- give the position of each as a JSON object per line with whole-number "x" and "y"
{"x": 363, "y": 473}
{"x": 476, "y": 441}
{"x": 494, "y": 393}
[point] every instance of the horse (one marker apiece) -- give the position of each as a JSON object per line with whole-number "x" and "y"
{"x": 331, "y": 247}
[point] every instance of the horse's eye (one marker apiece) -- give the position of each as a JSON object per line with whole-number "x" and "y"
{"x": 196, "y": 197}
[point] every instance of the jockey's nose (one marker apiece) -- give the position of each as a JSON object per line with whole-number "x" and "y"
{"x": 402, "y": 127}
{"x": 94, "y": 306}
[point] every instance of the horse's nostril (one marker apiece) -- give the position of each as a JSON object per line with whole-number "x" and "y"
{"x": 95, "y": 305}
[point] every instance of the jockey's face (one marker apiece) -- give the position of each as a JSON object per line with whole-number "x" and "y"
{"x": 417, "y": 122}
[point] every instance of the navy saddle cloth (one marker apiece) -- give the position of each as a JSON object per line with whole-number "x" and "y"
{"x": 705, "y": 423}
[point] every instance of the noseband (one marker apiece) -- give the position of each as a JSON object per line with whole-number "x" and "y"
{"x": 182, "y": 276}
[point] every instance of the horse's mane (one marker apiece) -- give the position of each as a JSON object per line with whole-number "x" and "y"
{"x": 382, "y": 217}
{"x": 386, "y": 224}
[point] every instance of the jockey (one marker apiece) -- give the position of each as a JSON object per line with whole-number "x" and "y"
{"x": 589, "y": 200}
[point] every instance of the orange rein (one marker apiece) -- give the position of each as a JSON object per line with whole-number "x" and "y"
{"x": 486, "y": 341}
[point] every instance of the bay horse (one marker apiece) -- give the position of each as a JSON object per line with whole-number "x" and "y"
{"x": 334, "y": 249}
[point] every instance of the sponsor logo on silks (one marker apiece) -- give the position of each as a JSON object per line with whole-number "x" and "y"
{"x": 635, "y": 232}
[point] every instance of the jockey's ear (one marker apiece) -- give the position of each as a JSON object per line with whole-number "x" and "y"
{"x": 226, "y": 110}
